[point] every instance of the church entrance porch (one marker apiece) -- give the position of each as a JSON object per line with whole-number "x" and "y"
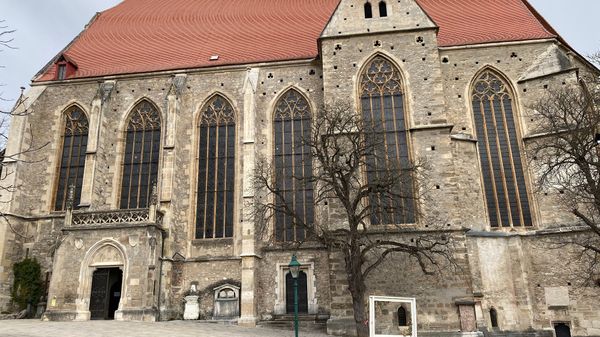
{"x": 106, "y": 293}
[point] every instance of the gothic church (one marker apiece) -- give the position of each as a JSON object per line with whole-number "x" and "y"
{"x": 154, "y": 117}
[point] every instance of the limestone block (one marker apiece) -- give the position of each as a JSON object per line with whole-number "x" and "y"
{"x": 557, "y": 296}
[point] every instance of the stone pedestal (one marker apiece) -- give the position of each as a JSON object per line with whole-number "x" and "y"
{"x": 192, "y": 308}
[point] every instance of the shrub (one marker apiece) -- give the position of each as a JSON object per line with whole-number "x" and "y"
{"x": 27, "y": 286}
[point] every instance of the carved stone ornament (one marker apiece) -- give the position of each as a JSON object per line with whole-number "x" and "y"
{"x": 134, "y": 240}
{"x": 78, "y": 243}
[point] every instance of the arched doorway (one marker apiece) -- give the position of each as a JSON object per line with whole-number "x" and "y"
{"x": 106, "y": 293}
{"x": 302, "y": 293}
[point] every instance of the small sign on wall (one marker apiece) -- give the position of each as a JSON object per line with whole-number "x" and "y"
{"x": 557, "y": 297}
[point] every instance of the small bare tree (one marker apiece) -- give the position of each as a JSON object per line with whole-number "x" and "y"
{"x": 19, "y": 110}
{"x": 370, "y": 191}
{"x": 566, "y": 158}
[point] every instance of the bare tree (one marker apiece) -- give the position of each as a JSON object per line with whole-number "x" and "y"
{"x": 566, "y": 158}
{"x": 19, "y": 110}
{"x": 353, "y": 174}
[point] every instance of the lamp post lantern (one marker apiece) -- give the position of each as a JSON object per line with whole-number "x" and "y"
{"x": 295, "y": 271}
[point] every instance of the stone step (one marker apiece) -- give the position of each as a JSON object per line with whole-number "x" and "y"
{"x": 315, "y": 323}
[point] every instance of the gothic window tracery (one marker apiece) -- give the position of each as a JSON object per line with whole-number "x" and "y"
{"x": 72, "y": 160}
{"x": 141, "y": 157}
{"x": 382, "y": 103}
{"x": 216, "y": 170}
{"x": 293, "y": 164}
{"x": 500, "y": 156}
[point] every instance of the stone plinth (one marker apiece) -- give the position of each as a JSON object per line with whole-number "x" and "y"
{"x": 192, "y": 308}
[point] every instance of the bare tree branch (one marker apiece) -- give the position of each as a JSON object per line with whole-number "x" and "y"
{"x": 566, "y": 159}
{"x": 372, "y": 194}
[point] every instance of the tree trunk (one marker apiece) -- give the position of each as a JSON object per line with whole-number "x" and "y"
{"x": 356, "y": 285}
{"x": 360, "y": 316}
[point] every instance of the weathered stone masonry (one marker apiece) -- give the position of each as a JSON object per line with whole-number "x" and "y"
{"x": 503, "y": 269}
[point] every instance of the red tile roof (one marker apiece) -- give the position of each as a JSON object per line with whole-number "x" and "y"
{"x": 466, "y": 22}
{"x": 153, "y": 35}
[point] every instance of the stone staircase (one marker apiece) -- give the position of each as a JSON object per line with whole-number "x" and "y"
{"x": 309, "y": 323}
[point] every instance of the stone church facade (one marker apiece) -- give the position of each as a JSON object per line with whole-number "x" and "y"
{"x": 144, "y": 186}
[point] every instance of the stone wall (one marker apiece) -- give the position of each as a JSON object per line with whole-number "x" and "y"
{"x": 498, "y": 268}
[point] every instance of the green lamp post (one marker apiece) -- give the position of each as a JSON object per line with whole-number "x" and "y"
{"x": 295, "y": 271}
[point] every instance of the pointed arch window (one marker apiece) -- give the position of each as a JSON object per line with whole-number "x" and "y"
{"x": 142, "y": 150}
{"x": 293, "y": 164}
{"x": 501, "y": 163}
{"x": 402, "y": 317}
{"x": 216, "y": 170}
{"x": 382, "y": 9}
{"x": 72, "y": 160}
{"x": 382, "y": 103}
{"x": 368, "y": 10}
{"x": 494, "y": 317}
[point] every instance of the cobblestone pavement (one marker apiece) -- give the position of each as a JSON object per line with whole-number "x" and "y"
{"x": 36, "y": 328}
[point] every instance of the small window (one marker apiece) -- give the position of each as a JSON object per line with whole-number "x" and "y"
{"x": 382, "y": 9}
{"x": 62, "y": 71}
{"x": 494, "y": 317}
{"x": 402, "y": 319}
{"x": 368, "y": 11}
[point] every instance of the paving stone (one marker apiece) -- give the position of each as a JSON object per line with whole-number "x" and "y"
{"x": 35, "y": 328}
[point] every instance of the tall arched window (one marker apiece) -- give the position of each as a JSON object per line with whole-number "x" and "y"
{"x": 382, "y": 9}
{"x": 216, "y": 170}
{"x": 72, "y": 160}
{"x": 501, "y": 164}
{"x": 368, "y": 10}
{"x": 140, "y": 162}
{"x": 293, "y": 164}
{"x": 382, "y": 102}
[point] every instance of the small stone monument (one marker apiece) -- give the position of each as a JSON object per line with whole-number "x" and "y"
{"x": 192, "y": 307}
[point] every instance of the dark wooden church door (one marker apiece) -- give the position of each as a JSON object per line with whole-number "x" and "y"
{"x": 302, "y": 293}
{"x": 106, "y": 293}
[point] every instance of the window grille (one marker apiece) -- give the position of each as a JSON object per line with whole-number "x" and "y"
{"x": 382, "y": 102}
{"x": 216, "y": 170}
{"x": 72, "y": 160}
{"x": 293, "y": 164}
{"x": 141, "y": 158}
{"x": 501, "y": 163}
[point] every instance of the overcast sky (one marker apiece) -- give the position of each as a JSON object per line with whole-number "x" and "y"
{"x": 44, "y": 27}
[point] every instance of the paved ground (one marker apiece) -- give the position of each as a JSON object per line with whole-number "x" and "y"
{"x": 36, "y": 328}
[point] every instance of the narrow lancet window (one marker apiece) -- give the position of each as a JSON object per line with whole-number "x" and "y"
{"x": 216, "y": 170}
{"x": 141, "y": 157}
{"x": 382, "y": 9}
{"x": 498, "y": 143}
{"x": 382, "y": 103}
{"x": 402, "y": 317}
{"x": 72, "y": 160}
{"x": 293, "y": 165}
{"x": 494, "y": 317}
{"x": 368, "y": 10}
